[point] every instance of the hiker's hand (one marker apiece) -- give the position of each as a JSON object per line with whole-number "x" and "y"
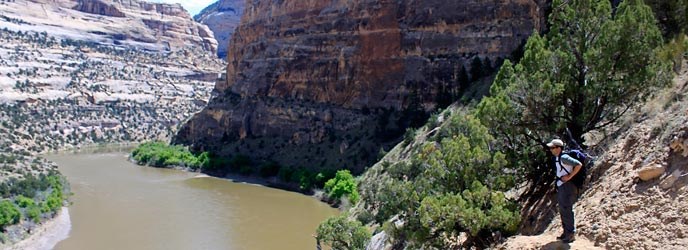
{"x": 566, "y": 178}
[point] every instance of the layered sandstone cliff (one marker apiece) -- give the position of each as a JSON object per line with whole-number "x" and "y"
{"x": 131, "y": 23}
{"x": 222, "y": 17}
{"x": 328, "y": 83}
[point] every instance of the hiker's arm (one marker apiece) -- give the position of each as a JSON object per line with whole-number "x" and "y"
{"x": 573, "y": 173}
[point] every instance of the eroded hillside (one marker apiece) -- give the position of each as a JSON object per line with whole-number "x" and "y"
{"x": 618, "y": 210}
{"x": 59, "y": 93}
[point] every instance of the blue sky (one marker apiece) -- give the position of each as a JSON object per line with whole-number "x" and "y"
{"x": 193, "y": 6}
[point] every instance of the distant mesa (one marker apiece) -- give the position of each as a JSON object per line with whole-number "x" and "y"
{"x": 131, "y": 23}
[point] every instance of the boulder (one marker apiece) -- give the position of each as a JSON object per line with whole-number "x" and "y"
{"x": 651, "y": 171}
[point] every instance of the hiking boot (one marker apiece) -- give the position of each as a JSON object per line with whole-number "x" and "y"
{"x": 568, "y": 238}
{"x": 562, "y": 236}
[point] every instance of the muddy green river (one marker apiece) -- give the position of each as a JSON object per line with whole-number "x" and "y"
{"x": 119, "y": 205}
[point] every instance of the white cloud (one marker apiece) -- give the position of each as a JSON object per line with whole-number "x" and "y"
{"x": 192, "y": 6}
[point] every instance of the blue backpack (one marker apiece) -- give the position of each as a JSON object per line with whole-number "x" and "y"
{"x": 579, "y": 178}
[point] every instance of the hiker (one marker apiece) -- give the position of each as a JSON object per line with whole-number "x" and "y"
{"x": 567, "y": 167}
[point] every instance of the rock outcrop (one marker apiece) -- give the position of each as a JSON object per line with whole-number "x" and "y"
{"x": 130, "y": 23}
{"x": 328, "y": 83}
{"x": 222, "y": 17}
{"x": 98, "y": 7}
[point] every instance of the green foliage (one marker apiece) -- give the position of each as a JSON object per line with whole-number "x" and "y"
{"x": 159, "y": 154}
{"x": 591, "y": 68}
{"x": 27, "y": 192}
{"x": 675, "y": 52}
{"x": 476, "y": 210}
{"x": 53, "y": 202}
{"x": 34, "y": 213}
{"x": 343, "y": 184}
{"x": 451, "y": 185}
{"x": 32, "y": 210}
{"x": 27, "y": 186}
{"x": 23, "y": 201}
{"x": 409, "y": 136}
{"x": 9, "y": 214}
{"x": 323, "y": 176}
{"x": 342, "y": 234}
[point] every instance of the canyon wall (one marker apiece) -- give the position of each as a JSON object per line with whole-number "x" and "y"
{"x": 327, "y": 83}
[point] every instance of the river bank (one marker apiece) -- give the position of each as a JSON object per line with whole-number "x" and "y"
{"x": 47, "y": 234}
{"x": 272, "y": 182}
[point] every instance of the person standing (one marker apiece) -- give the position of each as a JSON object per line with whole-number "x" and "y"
{"x": 567, "y": 192}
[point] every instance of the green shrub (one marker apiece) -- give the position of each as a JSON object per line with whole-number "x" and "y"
{"x": 305, "y": 178}
{"x": 477, "y": 211}
{"x": 27, "y": 186}
{"x": 365, "y": 217}
{"x": 449, "y": 186}
{"x": 159, "y": 154}
{"x": 23, "y": 201}
{"x": 34, "y": 213}
{"x": 342, "y": 234}
{"x": 343, "y": 184}
{"x": 9, "y": 214}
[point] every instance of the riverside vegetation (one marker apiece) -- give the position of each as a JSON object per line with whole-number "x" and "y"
{"x": 339, "y": 186}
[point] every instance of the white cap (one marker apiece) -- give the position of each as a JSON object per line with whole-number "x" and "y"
{"x": 555, "y": 142}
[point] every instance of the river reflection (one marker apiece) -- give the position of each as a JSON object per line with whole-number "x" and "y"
{"x": 118, "y": 205}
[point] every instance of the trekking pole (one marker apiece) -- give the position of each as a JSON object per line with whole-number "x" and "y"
{"x": 572, "y": 140}
{"x": 590, "y": 158}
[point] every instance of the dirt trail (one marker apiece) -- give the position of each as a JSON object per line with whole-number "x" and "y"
{"x": 548, "y": 241}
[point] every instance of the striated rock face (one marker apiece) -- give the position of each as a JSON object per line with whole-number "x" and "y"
{"x": 98, "y": 7}
{"x": 222, "y": 18}
{"x": 131, "y": 23}
{"x": 327, "y": 83}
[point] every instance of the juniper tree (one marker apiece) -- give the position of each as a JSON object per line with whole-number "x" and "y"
{"x": 592, "y": 67}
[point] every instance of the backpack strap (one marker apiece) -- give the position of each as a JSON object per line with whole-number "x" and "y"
{"x": 558, "y": 160}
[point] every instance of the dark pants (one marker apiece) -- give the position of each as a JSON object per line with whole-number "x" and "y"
{"x": 566, "y": 195}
